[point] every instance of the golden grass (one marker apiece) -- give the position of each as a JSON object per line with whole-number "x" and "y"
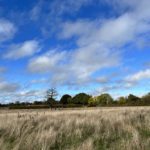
{"x": 82, "y": 129}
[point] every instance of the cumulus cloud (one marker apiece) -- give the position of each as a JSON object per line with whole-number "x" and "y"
{"x": 23, "y": 96}
{"x": 100, "y": 42}
{"x": 91, "y": 58}
{"x": 114, "y": 87}
{"x": 131, "y": 81}
{"x": 39, "y": 81}
{"x": 46, "y": 62}
{"x": 78, "y": 28}
{"x": 104, "y": 79}
{"x": 112, "y": 32}
{"x": 101, "y": 31}
{"x": 7, "y": 30}
{"x": 7, "y": 87}
{"x": 27, "y": 48}
{"x": 75, "y": 67}
{"x": 29, "y": 95}
{"x": 144, "y": 74}
{"x": 108, "y": 88}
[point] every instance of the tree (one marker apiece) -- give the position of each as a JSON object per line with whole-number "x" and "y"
{"x": 81, "y": 98}
{"x": 51, "y": 95}
{"x": 132, "y": 99}
{"x": 17, "y": 103}
{"x": 92, "y": 101}
{"x": 65, "y": 99}
{"x": 122, "y": 100}
{"x": 146, "y": 99}
{"x": 104, "y": 99}
{"x": 38, "y": 102}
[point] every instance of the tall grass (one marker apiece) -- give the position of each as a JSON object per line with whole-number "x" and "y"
{"x": 89, "y": 129}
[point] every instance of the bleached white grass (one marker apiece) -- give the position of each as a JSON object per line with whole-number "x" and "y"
{"x": 122, "y": 128}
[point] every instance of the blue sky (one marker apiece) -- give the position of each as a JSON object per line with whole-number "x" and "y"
{"x": 76, "y": 46}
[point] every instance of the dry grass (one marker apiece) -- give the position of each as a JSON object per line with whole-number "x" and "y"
{"x": 88, "y": 129}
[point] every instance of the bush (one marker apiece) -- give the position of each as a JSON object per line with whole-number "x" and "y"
{"x": 29, "y": 107}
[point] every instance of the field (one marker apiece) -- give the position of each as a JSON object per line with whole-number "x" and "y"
{"x": 122, "y": 128}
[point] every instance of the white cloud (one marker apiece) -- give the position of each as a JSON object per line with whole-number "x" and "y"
{"x": 88, "y": 59}
{"x": 7, "y": 30}
{"x": 115, "y": 87}
{"x": 28, "y": 48}
{"x": 144, "y": 74}
{"x": 103, "y": 79}
{"x": 78, "y": 28}
{"x": 68, "y": 6}
{"x": 75, "y": 67}
{"x": 23, "y": 96}
{"x": 50, "y": 19}
{"x": 116, "y": 31}
{"x": 30, "y": 95}
{"x": 39, "y": 81}
{"x": 46, "y": 62}
{"x": 109, "y": 88}
{"x": 131, "y": 81}
{"x": 111, "y": 32}
{"x": 6, "y": 87}
{"x": 99, "y": 42}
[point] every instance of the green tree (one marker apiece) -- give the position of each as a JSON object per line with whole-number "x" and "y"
{"x": 65, "y": 99}
{"x": 70, "y": 100}
{"x": 133, "y": 100}
{"x": 81, "y": 98}
{"x": 122, "y": 100}
{"x": 17, "y": 103}
{"x": 146, "y": 99}
{"x": 92, "y": 101}
{"x": 104, "y": 99}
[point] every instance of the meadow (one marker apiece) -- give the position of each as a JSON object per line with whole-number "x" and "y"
{"x": 109, "y": 128}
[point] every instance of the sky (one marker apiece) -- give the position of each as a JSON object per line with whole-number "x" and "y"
{"x": 99, "y": 46}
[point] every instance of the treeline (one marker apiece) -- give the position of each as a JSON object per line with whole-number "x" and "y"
{"x": 84, "y": 99}
{"x": 81, "y": 100}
